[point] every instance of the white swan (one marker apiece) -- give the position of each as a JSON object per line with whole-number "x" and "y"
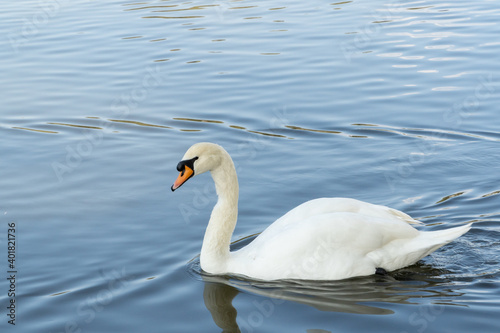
{"x": 322, "y": 239}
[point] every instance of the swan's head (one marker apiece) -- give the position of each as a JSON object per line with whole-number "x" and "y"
{"x": 199, "y": 158}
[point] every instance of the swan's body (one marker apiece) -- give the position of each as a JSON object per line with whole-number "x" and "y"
{"x": 322, "y": 239}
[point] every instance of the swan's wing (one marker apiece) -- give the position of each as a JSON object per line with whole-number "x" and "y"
{"x": 336, "y": 205}
{"x": 336, "y": 238}
{"x": 382, "y": 211}
{"x": 326, "y": 246}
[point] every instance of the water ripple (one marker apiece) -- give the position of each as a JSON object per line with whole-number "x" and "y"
{"x": 355, "y": 130}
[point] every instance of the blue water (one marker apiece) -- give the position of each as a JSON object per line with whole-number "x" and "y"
{"x": 391, "y": 102}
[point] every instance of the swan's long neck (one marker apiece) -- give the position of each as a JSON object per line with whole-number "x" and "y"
{"x": 215, "y": 249}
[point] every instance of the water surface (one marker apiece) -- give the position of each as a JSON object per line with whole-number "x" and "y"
{"x": 391, "y": 102}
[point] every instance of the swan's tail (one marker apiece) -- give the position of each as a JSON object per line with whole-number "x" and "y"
{"x": 448, "y": 235}
{"x": 403, "y": 252}
{"x": 436, "y": 239}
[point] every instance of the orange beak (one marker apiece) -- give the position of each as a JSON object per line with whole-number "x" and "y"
{"x": 184, "y": 175}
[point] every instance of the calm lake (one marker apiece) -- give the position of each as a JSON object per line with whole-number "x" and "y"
{"x": 391, "y": 102}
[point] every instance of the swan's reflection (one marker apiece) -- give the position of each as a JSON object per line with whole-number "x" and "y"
{"x": 218, "y": 300}
{"x": 365, "y": 295}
